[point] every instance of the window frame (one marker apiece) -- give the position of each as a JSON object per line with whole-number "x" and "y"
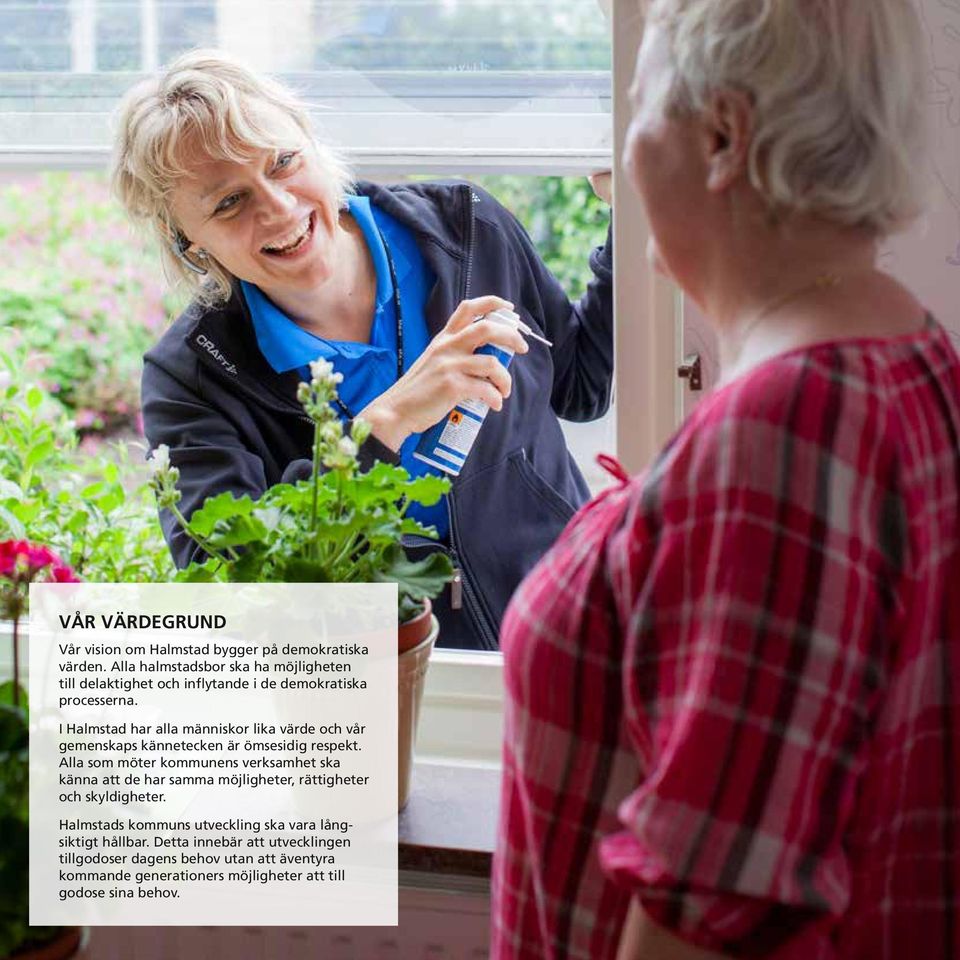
{"x": 388, "y": 119}
{"x": 461, "y": 685}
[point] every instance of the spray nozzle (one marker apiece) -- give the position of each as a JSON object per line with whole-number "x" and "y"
{"x": 511, "y": 319}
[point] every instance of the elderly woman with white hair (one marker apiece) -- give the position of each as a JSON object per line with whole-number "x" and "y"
{"x": 749, "y": 741}
{"x": 290, "y": 260}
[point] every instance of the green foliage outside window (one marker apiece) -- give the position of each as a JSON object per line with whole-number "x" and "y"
{"x": 81, "y": 297}
{"x": 564, "y": 217}
{"x": 469, "y": 35}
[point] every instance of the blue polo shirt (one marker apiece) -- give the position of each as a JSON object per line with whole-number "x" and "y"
{"x": 368, "y": 368}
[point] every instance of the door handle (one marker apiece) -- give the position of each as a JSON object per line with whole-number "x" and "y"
{"x": 691, "y": 371}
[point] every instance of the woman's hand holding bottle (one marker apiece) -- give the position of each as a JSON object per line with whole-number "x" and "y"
{"x": 447, "y": 373}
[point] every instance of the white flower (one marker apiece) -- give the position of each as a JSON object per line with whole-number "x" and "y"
{"x": 321, "y": 370}
{"x": 159, "y": 460}
{"x": 5, "y": 379}
{"x": 347, "y": 447}
{"x": 331, "y": 432}
{"x": 360, "y": 431}
{"x": 269, "y": 516}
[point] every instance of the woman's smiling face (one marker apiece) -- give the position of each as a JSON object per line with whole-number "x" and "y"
{"x": 270, "y": 219}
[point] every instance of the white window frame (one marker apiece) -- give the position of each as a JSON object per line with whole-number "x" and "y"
{"x": 461, "y": 718}
{"x": 647, "y": 307}
{"x": 462, "y": 714}
{"x": 385, "y": 117}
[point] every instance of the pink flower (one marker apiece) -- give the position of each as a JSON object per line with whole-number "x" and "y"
{"x": 21, "y": 560}
{"x": 8, "y": 557}
{"x": 63, "y": 574}
{"x": 85, "y": 418}
{"x": 38, "y": 557}
{"x": 20, "y": 556}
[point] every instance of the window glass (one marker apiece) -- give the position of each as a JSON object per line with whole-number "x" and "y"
{"x": 383, "y": 75}
{"x": 566, "y": 221}
{"x": 35, "y": 36}
{"x": 463, "y": 35}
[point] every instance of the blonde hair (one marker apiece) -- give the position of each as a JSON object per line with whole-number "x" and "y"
{"x": 203, "y": 97}
{"x": 838, "y": 91}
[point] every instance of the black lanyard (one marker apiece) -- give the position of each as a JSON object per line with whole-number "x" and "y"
{"x": 398, "y": 311}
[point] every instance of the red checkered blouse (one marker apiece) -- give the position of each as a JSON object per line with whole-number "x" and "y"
{"x": 733, "y": 685}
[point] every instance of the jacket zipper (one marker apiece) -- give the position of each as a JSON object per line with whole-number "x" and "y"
{"x": 462, "y": 594}
{"x": 471, "y": 602}
{"x": 456, "y": 585}
{"x": 462, "y": 587}
{"x": 471, "y": 229}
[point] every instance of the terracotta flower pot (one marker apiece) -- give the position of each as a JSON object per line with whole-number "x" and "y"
{"x": 412, "y": 666}
{"x": 414, "y": 631}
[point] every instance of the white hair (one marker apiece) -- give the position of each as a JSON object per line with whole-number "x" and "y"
{"x": 203, "y": 97}
{"x": 838, "y": 93}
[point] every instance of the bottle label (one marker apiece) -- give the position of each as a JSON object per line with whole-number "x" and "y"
{"x": 446, "y": 444}
{"x": 461, "y": 430}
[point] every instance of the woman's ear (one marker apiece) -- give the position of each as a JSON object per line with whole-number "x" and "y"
{"x": 727, "y": 130}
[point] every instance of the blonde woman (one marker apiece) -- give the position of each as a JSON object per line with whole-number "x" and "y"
{"x": 289, "y": 260}
{"x": 749, "y": 741}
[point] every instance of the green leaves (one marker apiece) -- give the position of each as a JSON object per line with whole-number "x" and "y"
{"x": 341, "y": 526}
{"x": 219, "y": 509}
{"x": 90, "y": 512}
{"x": 236, "y": 532}
{"x": 13, "y": 720}
{"x": 417, "y": 578}
{"x": 14, "y": 851}
{"x": 426, "y": 490}
{"x": 564, "y": 218}
{"x": 299, "y": 570}
{"x": 209, "y": 571}
{"x": 80, "y": 293}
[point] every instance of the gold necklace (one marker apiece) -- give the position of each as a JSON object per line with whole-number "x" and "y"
{"x": 824, "y": 281}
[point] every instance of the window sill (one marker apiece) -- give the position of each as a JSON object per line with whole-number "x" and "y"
{"x": 449, "y": 825}
{"x": 461, "y": 718}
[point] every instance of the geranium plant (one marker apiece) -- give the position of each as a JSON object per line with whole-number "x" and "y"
{"x": 340, "y": 526}
{"x": 21, "y": 563}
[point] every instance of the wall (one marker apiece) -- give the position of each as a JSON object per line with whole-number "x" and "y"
{"x": 927, "y": 257}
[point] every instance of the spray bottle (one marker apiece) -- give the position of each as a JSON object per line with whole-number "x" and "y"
{"x": 447, "y": 444}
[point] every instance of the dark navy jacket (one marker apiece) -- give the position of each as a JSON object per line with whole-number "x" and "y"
{"x": 233, "y": 423}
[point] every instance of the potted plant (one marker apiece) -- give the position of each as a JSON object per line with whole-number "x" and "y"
{"x": 341, "y": 525}
{"x": 21, "y": 563}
